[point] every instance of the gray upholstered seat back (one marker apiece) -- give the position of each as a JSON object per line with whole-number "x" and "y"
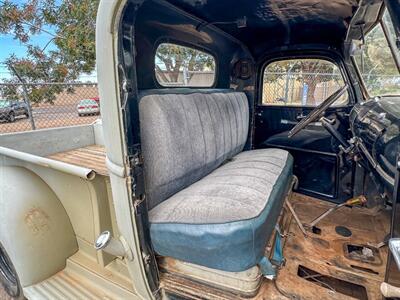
{"x": 187, "y": 136}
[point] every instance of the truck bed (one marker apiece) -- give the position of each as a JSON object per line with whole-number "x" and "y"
{"x": 91, "y": 157}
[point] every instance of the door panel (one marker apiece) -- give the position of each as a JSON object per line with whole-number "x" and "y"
{"x": 272, "y": 120}
{"x": 314, "y": 150}
{"x": 291, "y": 89}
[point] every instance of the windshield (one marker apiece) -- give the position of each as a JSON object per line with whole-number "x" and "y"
{"x": 376, "y": 60}
{"x": 87, "y": 102}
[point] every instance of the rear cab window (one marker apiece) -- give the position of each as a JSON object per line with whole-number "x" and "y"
{"x": 301, "y": 82}
{"x": 181, "y": 66}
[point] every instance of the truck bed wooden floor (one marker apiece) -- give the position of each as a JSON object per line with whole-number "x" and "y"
{"x": 91, "y": 157}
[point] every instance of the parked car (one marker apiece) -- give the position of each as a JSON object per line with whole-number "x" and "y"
{"x": 10, "y": 109}
{"x": 88, "y": 107}
{"x": 97, "y": 99}
{"x": 213, "y": 193}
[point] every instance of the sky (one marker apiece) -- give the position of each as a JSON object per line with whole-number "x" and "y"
{"x": 8, "y": 46}
{"x": 11, "y": 46}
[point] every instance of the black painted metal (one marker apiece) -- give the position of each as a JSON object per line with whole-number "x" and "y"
{"x": 377, "y": 123}
{"x": 8, "y": 275}
{"x": 130, "y": 108}
{"x": 333, "y": 131}
{"x": 393, "y": 7}
{"x": 272, "y": 23}
{"x": 160, "y": 22}
{"x": 328, "y": 181}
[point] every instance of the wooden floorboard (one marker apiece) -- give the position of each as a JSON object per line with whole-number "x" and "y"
{"x": 91, "y": 157}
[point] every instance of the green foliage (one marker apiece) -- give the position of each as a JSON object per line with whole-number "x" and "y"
{"x": 377, "y": 58}
{"x": 376, "y": 62}
{"x": 71, "y": 27}
{"x": 173, "y": 58}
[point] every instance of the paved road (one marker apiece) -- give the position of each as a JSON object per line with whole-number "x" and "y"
{"x": 48, "y": 117}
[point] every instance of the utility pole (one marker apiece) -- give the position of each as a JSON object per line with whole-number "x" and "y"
{"x": 25, "y": 94}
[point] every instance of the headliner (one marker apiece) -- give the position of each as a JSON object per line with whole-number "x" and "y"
{"x": 277, "y": 23}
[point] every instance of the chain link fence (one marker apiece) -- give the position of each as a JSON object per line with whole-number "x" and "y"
{"x": 37, "y": 106}
{"x": 310, "y": 89}
{"x": 52, "y": 105}
{"x": 299, "y": 88}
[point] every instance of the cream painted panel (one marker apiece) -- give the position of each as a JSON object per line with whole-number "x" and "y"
{"x": 44, "y": 142}
{"x": 34, "y": 227}
{"x": 75, "y": 195}
{"x": 107, "y": 24}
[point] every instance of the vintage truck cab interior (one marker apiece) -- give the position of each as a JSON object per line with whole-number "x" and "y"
{"x": 251, "y": 151}
{"x": 228, "y": 108}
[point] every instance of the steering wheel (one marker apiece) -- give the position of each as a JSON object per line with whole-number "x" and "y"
{"x": 318, "y": 111}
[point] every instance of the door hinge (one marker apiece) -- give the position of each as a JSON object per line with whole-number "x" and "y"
{"x": 137, "y": 175}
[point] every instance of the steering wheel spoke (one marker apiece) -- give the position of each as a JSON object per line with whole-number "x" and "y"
{"x": 317, "y": 112}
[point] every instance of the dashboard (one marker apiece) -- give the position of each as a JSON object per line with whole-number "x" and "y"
{"x": 375, "y": 125}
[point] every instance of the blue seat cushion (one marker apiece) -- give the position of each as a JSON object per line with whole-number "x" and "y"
{"x": 225, "y": 220}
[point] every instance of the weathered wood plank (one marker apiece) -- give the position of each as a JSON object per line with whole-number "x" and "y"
{"x": 92, "y": 157}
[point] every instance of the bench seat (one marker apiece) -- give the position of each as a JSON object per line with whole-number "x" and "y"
{"x": 210, "y": 203}
{"x": 222, "y": 220}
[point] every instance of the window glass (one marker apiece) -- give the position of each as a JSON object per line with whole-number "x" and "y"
{"x": 4, "y": 103}
{"x": 301, "y": 82}
{"x": 183, "y": 66}
{"x": 376, "y": 62}
{"x": 88, "y": 101}
{"x": 387, "y": 20}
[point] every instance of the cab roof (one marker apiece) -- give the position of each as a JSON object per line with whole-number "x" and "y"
{"x": 262, "y": 24}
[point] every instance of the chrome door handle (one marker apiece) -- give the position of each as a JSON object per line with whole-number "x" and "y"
{"x": 300, "y": 117}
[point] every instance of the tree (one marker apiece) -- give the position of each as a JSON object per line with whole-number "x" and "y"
{"x": 309, "y": 71}
{"x": 70, "y": 25}
{"x": 377, "y": 64}
{"x": 172, "y": 59}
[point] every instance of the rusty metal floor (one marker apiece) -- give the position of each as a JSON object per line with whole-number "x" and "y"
{"x": 91, "y": 157}
{"x": 326, "y": 253}
{"x": 323, "y": 253}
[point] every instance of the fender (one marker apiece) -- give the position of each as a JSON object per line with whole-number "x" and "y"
{"x": 35, "y": 229}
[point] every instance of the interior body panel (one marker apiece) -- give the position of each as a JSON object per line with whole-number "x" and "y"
{"x": 317, "y": 148}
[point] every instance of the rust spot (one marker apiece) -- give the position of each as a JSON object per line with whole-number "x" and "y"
{"x": 321, "y": 242}
{"x": 296, "y": 247}
{"x": 37, "y": 220}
